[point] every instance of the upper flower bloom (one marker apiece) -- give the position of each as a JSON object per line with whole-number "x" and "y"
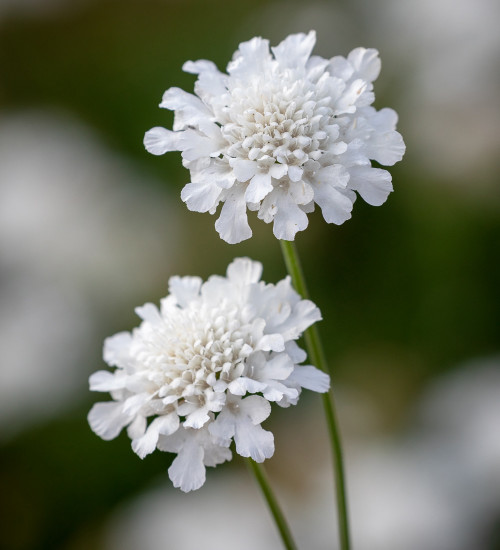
{"x": 281, "y": 132}
{"x": 206, "y": 366}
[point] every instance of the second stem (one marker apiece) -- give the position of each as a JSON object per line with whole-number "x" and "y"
{"x": 317, "y": 357}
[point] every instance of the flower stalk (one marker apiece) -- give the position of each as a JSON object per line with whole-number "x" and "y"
{"x": 281, "y": 523}
{"x": 317, "y": 357}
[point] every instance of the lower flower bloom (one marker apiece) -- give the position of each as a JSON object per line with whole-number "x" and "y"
{"x": 202, "y": 370}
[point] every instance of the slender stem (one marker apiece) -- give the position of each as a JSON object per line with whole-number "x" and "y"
{"x": 279, "y": 518}
{"x": 317, "y": 356}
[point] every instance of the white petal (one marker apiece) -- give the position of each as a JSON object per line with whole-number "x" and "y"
{"x": 387, "y": 148}
{"x": 173, "y": 443}
{"x": 215, "y": 454}
{"x": 197, "y": 418}
{"x": 347, "y": 102}
{"x": 295, "y": 173}
{"x": 211, "y": 84}
{"x": 373, "y": 184}
{"x": 340, "y": 68}
{"x": 189, "y": 109}
{"x": 200, "y": 66}
{"x": 385, "y": 144}
{"x": 253, "y": 441}
{"x": 303, "y": 315}
{"x": 243, "y": 169}
{"x": 187, "y": 471}
{"x": 238, "y": 386}
{"x": 108, "y": 419}
{"x": 296, "y": 354}
{"x": 279, "y": 367}
{"x": 276, "y": 391}
{"x": 137, "y": 427}
{"x": 195, "y": 145}
{"x": 159, "y": 141}
{"x": 243, "y": 385}
{"x": 149, "y": 313}
{"x": 185, "y": 289}
{"x": 103, "y": 380}
{"x": 271, "y": 342}
{"x": 336, "y": 207}
{"x": 133, "y": 404}
{"x": 334, "y": 175}
{"x": 201, "y": 197}
{"x": 289, "y": 218}
{"x": 232, "y": 224}
{"x": 250, "y": 58}
{"x": 165, "y": 424}
{"x": 260, "y": 185}
{"x": 243, "y": 271}
{"x": 278, "y": 170}
{"x": 255, "y": 407}
{"x": 216, "y": 171}
{"x": 116, "y": 350}
{"x": 223, "y": 427}
{"x": 366, "y": 62}
{"x": 268, "y": 207}
{"x": 311, "y": 378}
{"x": 295, "y": 50}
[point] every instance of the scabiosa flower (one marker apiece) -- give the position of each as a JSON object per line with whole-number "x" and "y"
{"x": 201, "y": 371}
{"x": 279, "y": 133}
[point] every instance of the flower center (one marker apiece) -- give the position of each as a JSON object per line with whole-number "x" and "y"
{"x": 193, "y": 348}
{"x": 272, "y": 123}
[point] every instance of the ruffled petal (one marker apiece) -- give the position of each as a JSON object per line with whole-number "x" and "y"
{"x": 149, "y": 313}
{"x": 116, "y": 350}
{"x": 104, "y": 380}
{"x": 303, "y": 315}
{"x": 202, "y": 196}
{"x": 260, "y": 186}
{"x": 271, "y": 342}
{"x": 250, "y": 58}
{"x": 335, "y": 205}
{"x": 295, "y": 50}
{"x": 373, "y": 184}
{"x": 185, "y": 289}
{"x": 189, "y": 109}
{"x": 243, "y": 271}
{"x": 108, "y": 419}
{"x": 366, "y": 63}
{"x": 310, "y": 378}
{"x": 187, "y": 471}
{"x": 256, "y": 408}
{"x": 159, "y": 141}
{"x": 232, "y": 224}
{"x": 289, "y": 218}
{"x": 243, "y": 169}
{"x": 165, "y": 424}
{"x": 253, "y": 441}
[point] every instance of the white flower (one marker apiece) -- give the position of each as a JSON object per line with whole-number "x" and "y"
{"x": 204, "y": 368}
{"x": 279, "y": 133}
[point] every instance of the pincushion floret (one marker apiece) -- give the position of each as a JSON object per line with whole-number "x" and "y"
{"x": 202, "y": 370}
{"x": 281, "y": 132}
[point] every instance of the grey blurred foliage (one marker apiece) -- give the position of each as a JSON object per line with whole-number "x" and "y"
{"x": 92, "y": 226}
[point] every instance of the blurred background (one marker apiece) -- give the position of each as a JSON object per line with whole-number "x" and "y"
{"x": 92, "y": 226}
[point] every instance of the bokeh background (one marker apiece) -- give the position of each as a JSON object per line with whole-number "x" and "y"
{"x": 92, "y": 226}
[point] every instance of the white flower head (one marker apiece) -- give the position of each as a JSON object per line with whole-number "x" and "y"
{"x": 278, "y": 133}
{"x": 201, "y": 371}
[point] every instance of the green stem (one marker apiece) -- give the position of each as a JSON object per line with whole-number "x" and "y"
{"x": 279, "y": 518}
{"x": 317, "y": 357}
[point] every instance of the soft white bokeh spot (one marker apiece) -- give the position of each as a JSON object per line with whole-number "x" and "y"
{"x": 73, "y": 223}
